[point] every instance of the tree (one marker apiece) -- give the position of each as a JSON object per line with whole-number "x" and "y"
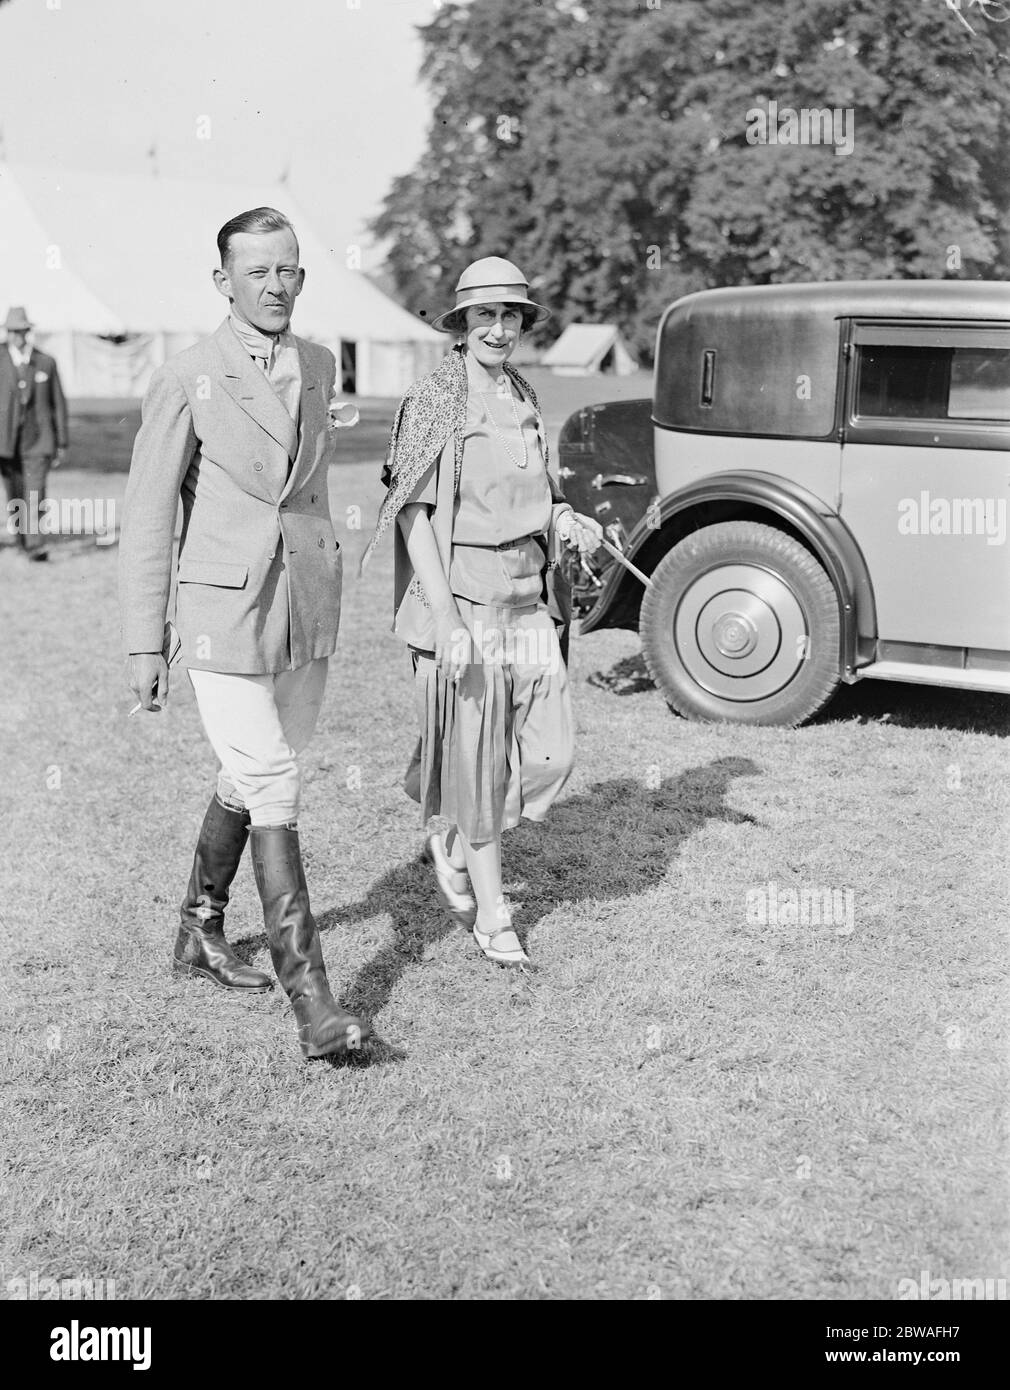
{"x": 469, "y": 191}
{"x": 615, "y": 149}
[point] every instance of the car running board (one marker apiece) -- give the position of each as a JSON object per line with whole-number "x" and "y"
{"x": 915, "y": 674}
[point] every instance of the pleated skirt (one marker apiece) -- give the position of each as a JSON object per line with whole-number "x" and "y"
{"x": 498, "y": 744}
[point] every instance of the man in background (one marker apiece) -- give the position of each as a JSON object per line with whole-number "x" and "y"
{"x": 33, "y": 431}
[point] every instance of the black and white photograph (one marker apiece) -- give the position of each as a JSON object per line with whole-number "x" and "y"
{"x": 504, "y": 671}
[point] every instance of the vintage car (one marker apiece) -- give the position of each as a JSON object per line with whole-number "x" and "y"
{"x": 817, "y": 492}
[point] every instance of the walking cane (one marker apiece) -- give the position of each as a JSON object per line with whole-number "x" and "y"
{"x": 620, "y": 558}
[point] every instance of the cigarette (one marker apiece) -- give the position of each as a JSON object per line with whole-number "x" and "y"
{"x": 134, "y": 711}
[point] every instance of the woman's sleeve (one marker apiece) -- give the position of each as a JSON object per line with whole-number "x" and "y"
{"x": 556, "y": 494}
{"x": 426, "y": 488}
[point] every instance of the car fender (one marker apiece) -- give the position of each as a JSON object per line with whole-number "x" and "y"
{"x": 756, "y": 496}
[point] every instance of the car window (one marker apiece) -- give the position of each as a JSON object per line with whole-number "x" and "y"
{"x": 912, "y": 382}
{"x": 979, "y": 384}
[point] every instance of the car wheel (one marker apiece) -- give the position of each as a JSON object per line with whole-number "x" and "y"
{"x": 741, "y": 624}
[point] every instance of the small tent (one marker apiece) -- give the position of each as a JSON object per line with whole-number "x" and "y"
{"x": 587, "y": 348}
{"x": 115, "y": 272}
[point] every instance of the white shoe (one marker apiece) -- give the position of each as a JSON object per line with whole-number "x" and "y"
{"x": 451, "y": 884}
{"x": 501, "y": 945}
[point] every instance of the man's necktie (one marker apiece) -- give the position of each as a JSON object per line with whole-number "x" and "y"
{"x": 284, "y": 372}
{"x": 277, "y": 358}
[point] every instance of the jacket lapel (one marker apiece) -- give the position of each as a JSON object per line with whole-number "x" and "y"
{"x": 27, "y": 375}
{"x": 250, "y": 390}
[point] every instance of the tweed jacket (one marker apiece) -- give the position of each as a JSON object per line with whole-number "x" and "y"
{"x": 259, "y": 567}
{"x": 32, "y": 401}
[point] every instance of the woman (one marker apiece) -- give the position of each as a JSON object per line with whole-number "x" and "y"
{"x": 477, "y": 517}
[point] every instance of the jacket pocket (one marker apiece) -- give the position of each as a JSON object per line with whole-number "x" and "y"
{"x": 216, "y": 572}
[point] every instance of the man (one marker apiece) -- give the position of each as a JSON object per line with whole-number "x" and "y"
{"x": 237, "y": 426}
{"x": 33, "y": 429}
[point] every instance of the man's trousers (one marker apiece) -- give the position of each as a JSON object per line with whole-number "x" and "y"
{"x": 257, "y": 726}
{"x": 22, "y": 476}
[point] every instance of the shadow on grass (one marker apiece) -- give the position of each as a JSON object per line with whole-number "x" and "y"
{"x": 557, "y": 862}
{"x": 629, "y": 676}
{"x": 893, "y": 702}
{"x": 919, "y": 707}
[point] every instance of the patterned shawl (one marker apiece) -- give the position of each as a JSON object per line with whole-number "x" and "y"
{"x": 432, "y": 409}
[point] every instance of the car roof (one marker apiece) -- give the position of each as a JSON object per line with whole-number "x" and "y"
{"x": 763, "y": 341}
{"x": 975, "y": 299}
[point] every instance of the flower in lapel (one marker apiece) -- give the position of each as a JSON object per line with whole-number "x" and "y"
{"x": 341, "y": 414}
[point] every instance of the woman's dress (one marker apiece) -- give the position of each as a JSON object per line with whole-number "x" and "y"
{"x": 498, "y": 744}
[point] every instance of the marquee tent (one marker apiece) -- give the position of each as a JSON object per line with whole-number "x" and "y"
{"x": 115, "y": 271}
{"x": 586, "y": 348}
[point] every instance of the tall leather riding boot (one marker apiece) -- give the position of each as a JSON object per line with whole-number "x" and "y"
{"x": 323, "y": 1027}
{"x": 201, "y": 948}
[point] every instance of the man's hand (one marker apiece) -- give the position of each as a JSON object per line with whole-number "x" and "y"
{"x": 61, "y": 455}
{"x": 149, "y": 680}
{"x": 583, "y": 533}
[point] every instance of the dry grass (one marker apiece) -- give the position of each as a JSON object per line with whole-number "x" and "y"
{"x": 681, "y": 1102}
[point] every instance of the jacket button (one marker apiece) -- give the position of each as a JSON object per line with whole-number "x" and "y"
{"x": 315, "y": 498}
{"x": 258, "y": 467}
{"x": 321, "y": 543}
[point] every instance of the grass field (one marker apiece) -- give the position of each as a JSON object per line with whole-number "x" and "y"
{"x": 102, "y": 431}
{"x": 691, "y": 1097}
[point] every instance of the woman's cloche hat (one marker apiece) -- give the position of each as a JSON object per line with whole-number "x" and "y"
{"x": 17, "y": 319}
{"x": 489, "y": 281}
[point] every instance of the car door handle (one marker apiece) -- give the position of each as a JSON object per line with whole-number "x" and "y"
{"x": 618, "y": 480}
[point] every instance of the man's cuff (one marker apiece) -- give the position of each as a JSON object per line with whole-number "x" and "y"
{"x": 143, "y": 639}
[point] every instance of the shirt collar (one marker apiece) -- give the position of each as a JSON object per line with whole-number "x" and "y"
{"x": 258, "y": 344}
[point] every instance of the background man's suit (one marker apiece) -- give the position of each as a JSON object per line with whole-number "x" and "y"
{"x": 33, "y": 426}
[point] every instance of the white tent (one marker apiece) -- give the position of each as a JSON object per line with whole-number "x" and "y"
{"x": 586, "y": 348}
{"x": 115, "y": 271}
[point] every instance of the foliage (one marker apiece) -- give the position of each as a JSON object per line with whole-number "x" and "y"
{"x": 607, "y": 148}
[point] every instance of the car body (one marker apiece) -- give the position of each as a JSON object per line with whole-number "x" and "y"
{"x": 818, "y": 491}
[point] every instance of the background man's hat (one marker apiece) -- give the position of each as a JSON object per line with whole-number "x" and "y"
{"x": 17, "y": 318}
{"x": 489, "y": 281}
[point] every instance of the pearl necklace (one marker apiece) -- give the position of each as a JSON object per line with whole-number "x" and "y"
{"x": 524, "y": 461}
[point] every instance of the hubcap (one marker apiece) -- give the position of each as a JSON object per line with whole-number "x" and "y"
{"x": 740, "y": 632}
{"x": 734, "y": 634}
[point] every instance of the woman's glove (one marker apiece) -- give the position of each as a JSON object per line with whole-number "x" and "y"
{"x": 580, "y": 532}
